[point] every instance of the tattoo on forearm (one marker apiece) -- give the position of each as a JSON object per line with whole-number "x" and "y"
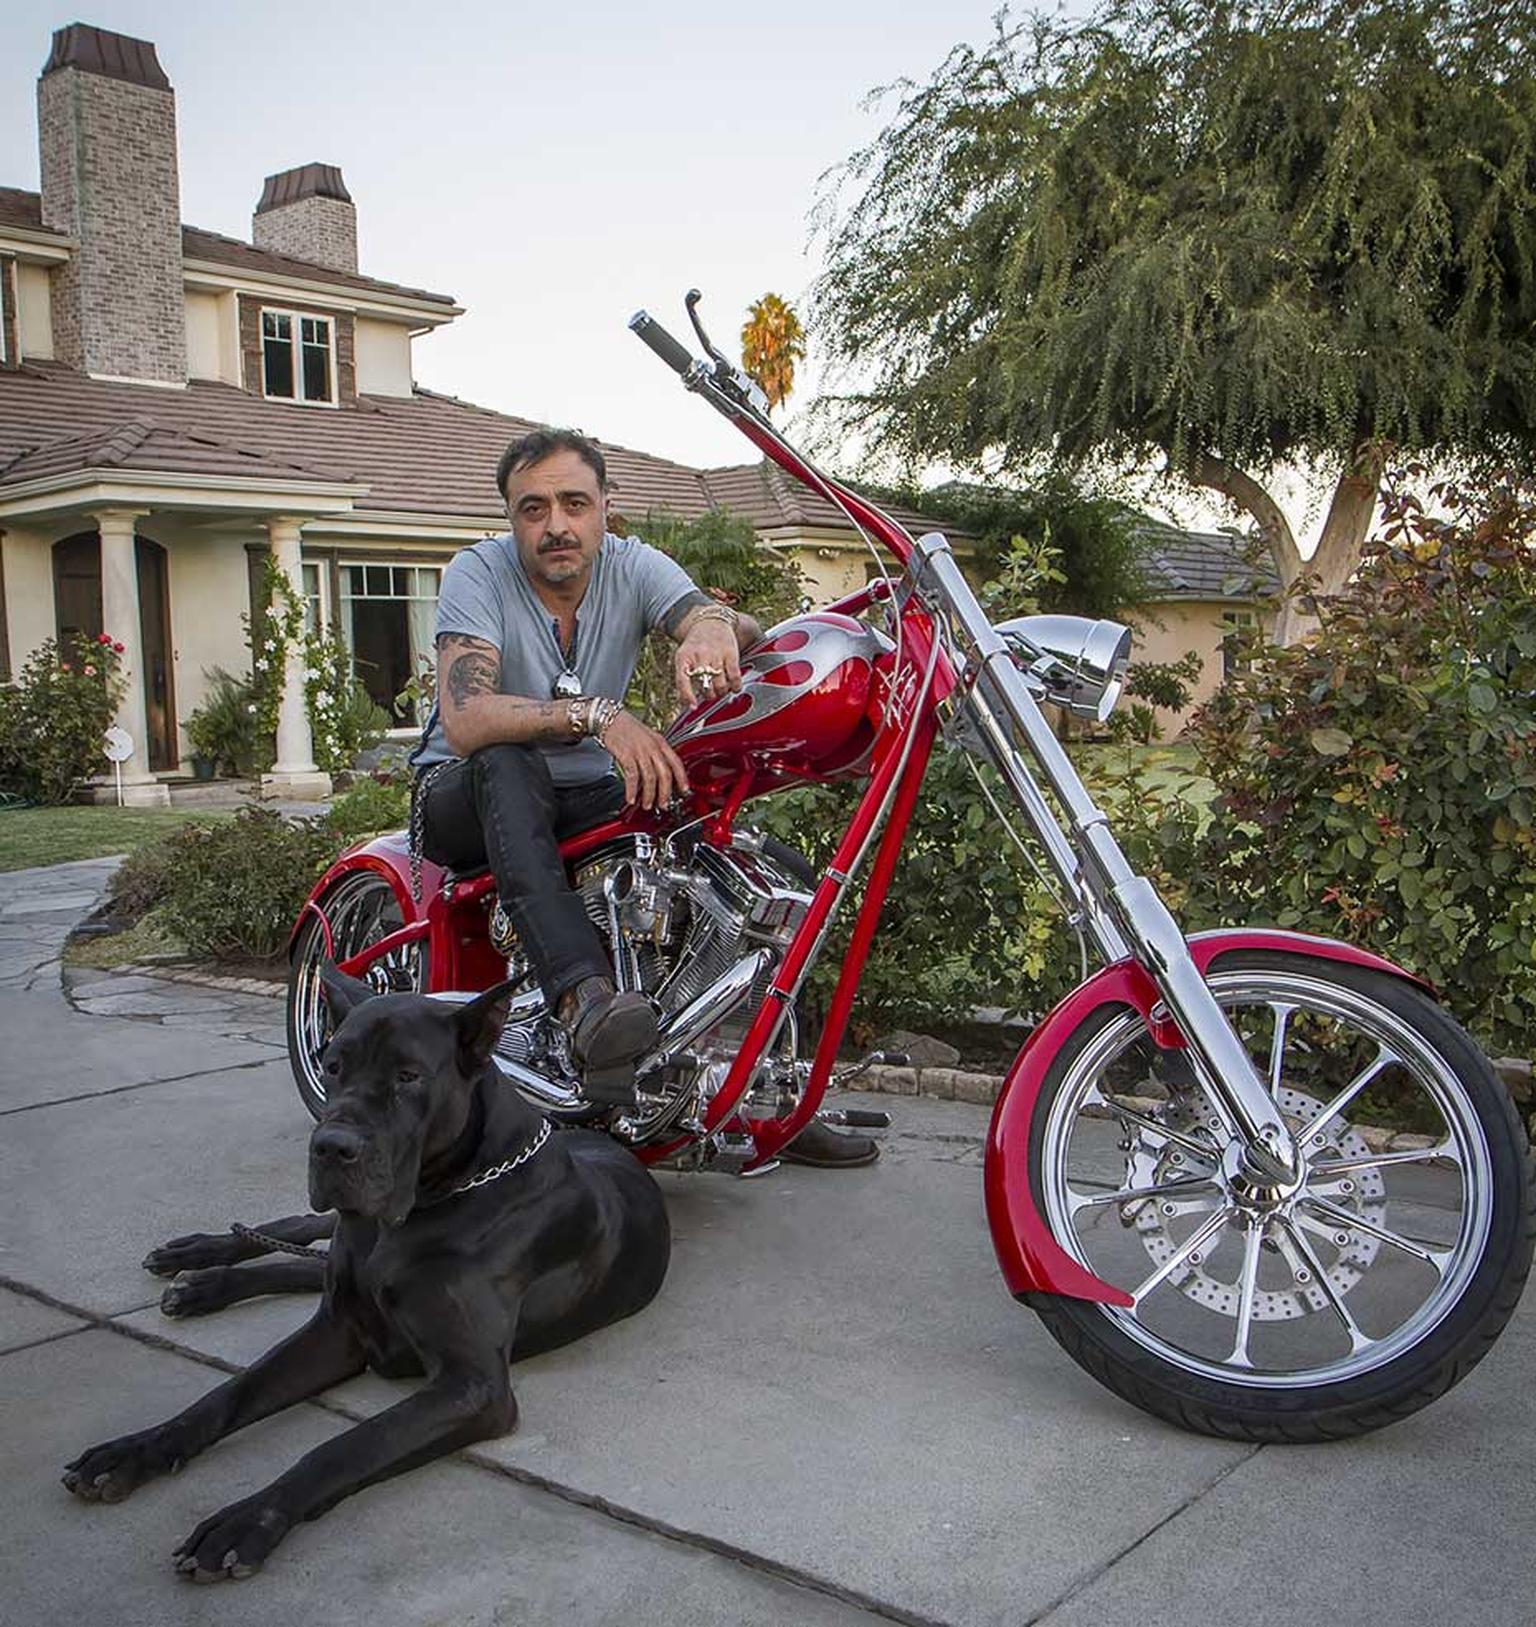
{"x": 672, "y": 622}
{"x": 470, "y": 667}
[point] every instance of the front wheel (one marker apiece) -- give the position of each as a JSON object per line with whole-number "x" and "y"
{"x": 1305, "y": 1309}
{"x": 361, "y": 909}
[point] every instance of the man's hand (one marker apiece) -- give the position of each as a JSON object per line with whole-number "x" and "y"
{"x": 708, "y": 661}
{"x": 653, "y": 772}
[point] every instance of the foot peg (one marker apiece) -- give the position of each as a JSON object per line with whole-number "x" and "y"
{"x": 856, "y": 1118}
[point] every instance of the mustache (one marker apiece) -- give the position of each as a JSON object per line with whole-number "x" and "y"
{"x": 553, "y": 545}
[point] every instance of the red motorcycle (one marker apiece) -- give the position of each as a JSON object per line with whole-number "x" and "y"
{"x": 1180, "y": 1175}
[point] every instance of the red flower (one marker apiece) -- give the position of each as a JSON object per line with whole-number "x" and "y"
{"x": 119, "y": 648}
{"x": 103, "y": 638}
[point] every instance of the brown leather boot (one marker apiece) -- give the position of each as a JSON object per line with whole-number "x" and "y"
{"x": 818, "y": 1146}
{"x": 610, "y": 1031}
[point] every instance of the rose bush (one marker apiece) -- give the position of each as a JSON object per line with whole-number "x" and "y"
{"x": 54, "y": 717}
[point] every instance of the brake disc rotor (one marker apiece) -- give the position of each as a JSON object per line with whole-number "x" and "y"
{"x": 1361, "y": 1191}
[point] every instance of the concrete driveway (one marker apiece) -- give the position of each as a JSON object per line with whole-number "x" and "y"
{"x": 833, "y": 1411}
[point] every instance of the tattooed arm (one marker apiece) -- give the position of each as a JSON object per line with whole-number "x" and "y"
{"x": 474, "y": 711}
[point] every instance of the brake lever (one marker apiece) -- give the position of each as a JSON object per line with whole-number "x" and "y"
{"x": 727, "y": 375}
{"x": 691, "y": 300}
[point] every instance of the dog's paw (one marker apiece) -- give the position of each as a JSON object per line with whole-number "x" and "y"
{"x": 193, "y": 1251}
{"x": 232, "y": 1543}
{"x": 109, "y": 1472}
{"x": 196, "y": 1293}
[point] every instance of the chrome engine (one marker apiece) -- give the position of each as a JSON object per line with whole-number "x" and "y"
{"x": 699, "y": 929}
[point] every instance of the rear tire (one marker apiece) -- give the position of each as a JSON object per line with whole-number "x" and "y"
{"x": 1364, "y": 1294}
{"x": 361, "y": 908}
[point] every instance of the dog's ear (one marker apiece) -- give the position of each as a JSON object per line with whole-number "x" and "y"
{"x": 479, "y": 1024}
{"x": 343, "y": 994}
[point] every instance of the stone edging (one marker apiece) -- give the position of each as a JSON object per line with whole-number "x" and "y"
{"x": 944, "y": 1084}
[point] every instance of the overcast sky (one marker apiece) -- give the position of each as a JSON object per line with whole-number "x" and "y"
{"x": 553, "y": 167}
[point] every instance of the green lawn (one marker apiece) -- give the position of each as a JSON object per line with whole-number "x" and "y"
{"x": 31, "y": 836}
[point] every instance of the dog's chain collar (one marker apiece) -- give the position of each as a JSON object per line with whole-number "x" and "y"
{"x": 496, "y": 1171}
{"x": 277, "y": 1245}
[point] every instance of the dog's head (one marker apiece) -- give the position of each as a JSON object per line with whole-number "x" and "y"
{"x": 400, "y": 1071}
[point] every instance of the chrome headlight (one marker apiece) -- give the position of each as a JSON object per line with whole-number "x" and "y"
{"x": 1072, "y": 662}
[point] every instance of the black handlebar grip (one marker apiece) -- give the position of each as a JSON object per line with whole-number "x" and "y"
{"x": 662, "y": 342}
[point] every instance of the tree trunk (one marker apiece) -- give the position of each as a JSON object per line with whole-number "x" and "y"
{"x": 1241, "y": 488}
{"x": 1344, "y": 533}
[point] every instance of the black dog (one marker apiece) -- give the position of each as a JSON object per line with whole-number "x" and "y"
{"x": 468, "y": 1236}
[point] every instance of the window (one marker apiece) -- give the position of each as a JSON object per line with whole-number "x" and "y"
{"x": 1238, "y": 627}
{"x": 388, "y": 614}
{"x": 298, "y": 357}
{"x": 313, "y": 620}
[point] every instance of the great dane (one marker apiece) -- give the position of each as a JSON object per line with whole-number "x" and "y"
{"x": 467, "y": 1236}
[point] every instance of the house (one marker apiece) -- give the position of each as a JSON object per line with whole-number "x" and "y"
{"x": 178, "y": 407}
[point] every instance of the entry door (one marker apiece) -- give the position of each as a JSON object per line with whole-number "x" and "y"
{"x": 155, "y": 631}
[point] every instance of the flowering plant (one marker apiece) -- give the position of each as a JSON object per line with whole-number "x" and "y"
{"x": 54, "y": 716}
{"x": 343, "y": 721}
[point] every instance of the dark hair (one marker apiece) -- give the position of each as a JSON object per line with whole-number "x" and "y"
{"x": 539, "y": 444}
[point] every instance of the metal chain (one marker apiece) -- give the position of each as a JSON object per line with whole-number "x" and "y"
{"x": 418, "y": 820}
{"x": 486, "y": 1176}
{"x": 276, "y": 1244}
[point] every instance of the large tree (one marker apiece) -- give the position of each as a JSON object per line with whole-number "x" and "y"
{"x": 1235, "y": 237}
{"x": 772, "y": 343}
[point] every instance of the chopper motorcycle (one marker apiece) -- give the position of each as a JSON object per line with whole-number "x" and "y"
{"x": 1180, "y": 1174}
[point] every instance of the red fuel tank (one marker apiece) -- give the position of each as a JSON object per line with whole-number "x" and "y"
{"x": 800, "y": 712}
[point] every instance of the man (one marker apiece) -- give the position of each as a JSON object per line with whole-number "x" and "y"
{"x": 538, "y": 632}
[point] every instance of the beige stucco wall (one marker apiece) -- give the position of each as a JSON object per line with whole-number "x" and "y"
{"x": 208, "y": 591}
{"x": 1167, "y": 632}
{"x": 383, "y": 351}
{"x": 34, "y": 311}
{"x": 213, "y": 337}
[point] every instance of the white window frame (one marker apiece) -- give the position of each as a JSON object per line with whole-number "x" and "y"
{"x": 345, "y": 598}
{"x": 296, "y": 348}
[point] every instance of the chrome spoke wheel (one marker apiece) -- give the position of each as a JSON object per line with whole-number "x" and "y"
{"x": 1408, "y": 1203}
{"x": 361, "y": 909}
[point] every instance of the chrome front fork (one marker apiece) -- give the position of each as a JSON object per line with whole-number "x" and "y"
{"x": 1119, "y": 909}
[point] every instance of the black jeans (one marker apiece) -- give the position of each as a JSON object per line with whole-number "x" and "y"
{"x": 500, "y": 807}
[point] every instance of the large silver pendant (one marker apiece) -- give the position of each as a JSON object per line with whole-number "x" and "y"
{"x": 567, "y": 686}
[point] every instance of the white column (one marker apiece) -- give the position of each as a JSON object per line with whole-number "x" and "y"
{"x": 294, "y": 775}
{"x": 120, "y": 618}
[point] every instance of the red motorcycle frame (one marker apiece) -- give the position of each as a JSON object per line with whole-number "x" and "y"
{"x": 944, "y": 663}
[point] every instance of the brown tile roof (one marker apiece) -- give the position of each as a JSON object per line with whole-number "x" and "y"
{"x": 24, "y": 209}
{"x": 196, "y": 244}
{"x": 21, "y": 208}
{"x": 430, "y": 454}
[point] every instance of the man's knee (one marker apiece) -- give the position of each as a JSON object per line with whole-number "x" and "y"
{"x": 504, "y": 766}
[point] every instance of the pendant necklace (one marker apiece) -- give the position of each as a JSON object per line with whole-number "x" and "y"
{"x": 567, "y": 684}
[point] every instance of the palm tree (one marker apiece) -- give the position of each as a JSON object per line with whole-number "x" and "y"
{"x": 772, "y": 341}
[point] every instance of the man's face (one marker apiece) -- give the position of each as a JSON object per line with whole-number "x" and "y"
{"x": 558, "y": 514}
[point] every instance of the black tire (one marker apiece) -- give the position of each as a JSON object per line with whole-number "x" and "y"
{"x": 1310, "y": 1377}
{"x": 361, "y": 909}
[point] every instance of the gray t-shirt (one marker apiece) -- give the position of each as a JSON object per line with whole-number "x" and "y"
{"x": 486, "y": 594}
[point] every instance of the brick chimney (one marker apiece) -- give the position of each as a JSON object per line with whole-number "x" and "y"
{"x": 308, "y": 213}
{"x": 106, "y": 122}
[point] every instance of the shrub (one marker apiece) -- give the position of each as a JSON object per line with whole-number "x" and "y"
{"x": 379, "y": 803}
{"x": 720, "y": 551}
{"x": 142, "y": 882}
{"x": 54, "y": 717}
{"x": 226, "y": 728}
{"x": 1379, "y": 782}
{"x": 236, "y": 887}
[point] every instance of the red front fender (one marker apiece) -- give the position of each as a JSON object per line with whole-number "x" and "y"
{"x": 1028, "y": 1254}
